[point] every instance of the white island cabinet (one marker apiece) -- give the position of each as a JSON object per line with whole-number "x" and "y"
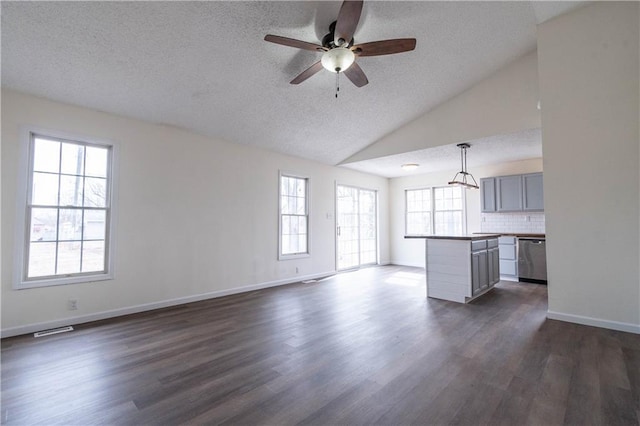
{"x": 461, "y": 268}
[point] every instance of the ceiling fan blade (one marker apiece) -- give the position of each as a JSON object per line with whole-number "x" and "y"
{"x": 292, "y": 42}
{"x": 384, "y": 47}
{"x": 347, "y": 21}
{"x": 356, "y": 75}
{"x": 313, "y": 69}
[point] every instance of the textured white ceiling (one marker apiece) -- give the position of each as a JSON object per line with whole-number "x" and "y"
{"x": 204, "y": 66}
{"x": 492, "y": 150}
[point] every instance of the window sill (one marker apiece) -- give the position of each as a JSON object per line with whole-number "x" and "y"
{"x": 49, "y": 282}
{"x": 293, "y": 256}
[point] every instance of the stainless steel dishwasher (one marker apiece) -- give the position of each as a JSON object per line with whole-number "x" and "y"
{"x": 532, "y": 260}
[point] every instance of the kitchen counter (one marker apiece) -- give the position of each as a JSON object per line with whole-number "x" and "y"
{"x": 466, "y": 237}
{"x": 461, "y": 268}
{"x": 516, "y": 234}
{"x": 522, "y": 235}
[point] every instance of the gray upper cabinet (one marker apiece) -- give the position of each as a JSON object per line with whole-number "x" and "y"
{"x": 532, "y": 192}
{"x": 488, "y": 194}
{"x": 514, "y": 193}
{"x": 509, "y": 193}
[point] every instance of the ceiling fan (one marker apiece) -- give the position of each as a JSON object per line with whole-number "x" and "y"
{"x": 338, "y": 49}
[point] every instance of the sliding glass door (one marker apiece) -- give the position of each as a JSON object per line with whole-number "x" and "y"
{"x": 356, "y": 227}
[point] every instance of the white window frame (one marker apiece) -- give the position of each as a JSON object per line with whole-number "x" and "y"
{"x": 406, "y": 209}
{"x": 431, "y": 190}
{"x": 307, "y": 253}
{"x": 463, "y": 209}
{"x": 22, "y": 231}
{"x": 376, "y": 192}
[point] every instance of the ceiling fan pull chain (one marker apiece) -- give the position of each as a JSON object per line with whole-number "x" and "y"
{"x": 337, "y": 84}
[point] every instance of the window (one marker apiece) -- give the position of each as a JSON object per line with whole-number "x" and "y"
{"x": 66, "y": 225}
{"x": 448, "y": 210}
{"x": 294, "y": 216}
{"x": 418, "y": 208}
{"x": 445, "y": 215}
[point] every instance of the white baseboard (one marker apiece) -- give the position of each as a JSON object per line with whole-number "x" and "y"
{"x": 595, "y": 322}
{"x": 413, "y": 265}
{"x": 31, "y": 328}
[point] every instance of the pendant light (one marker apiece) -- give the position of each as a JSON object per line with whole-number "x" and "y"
{"x": 461, "y": 178}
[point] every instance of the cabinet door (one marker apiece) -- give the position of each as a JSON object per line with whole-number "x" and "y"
{"x": 509, "y": 193}
{"x": 483, "y": 270}
{"x": 507, "y": 251}
{"x": 532, "y": 191}
{"x": 488, "y": 194}
{"x": 475, "y": 273}
{"x": 494, "y": 266}
{"x": 509, "y": 268}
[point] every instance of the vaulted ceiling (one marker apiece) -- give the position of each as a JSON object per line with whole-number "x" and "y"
{"x": 204, "y": 66}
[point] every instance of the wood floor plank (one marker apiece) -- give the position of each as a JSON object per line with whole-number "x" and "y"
{"x": 364, "y": 347}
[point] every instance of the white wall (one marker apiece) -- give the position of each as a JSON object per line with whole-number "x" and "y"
{"x": 504, "y": 103}
{"x": 410, "y": 252}
{"x": 196, "y": 216}
{"x": 589, "y": 87}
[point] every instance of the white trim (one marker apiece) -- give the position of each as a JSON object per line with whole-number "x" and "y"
{"x": 24, "y": 172}
{"x": 21, "y": 202}
{"x": 31, "y": 328}
{"x": 376, "y": 192}
{"x": 413, "y": 265}
{"x": 432, "y": 211}
{"x": 336, "y": 254}
{"x": 406, "y": 209}
{"x": 48, "y": 282}
{"x": 307, "y": 200}
{"x": 595, "y": 322}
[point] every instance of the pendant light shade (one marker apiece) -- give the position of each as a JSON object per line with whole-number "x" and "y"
{"x": 338, "y": 59}
{"x": 462, "y": 177}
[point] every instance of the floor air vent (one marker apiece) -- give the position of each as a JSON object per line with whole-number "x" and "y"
{"x": 53, "y": 331}
{"x": 317, "y": 280}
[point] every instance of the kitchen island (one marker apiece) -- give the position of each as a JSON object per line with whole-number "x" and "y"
{"x": 461, "y": 268}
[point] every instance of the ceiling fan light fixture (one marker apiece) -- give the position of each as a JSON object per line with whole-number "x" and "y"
{"x": 462, "y": 177}
{"x": 338, "y": 59}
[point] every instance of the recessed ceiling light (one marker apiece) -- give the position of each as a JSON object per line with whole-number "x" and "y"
{"x": 410, "y": 166}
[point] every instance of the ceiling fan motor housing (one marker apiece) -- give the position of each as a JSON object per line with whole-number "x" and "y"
{"x": 328, "y": 40}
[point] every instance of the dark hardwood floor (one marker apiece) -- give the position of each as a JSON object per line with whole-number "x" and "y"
{"x": 358, "y": 348}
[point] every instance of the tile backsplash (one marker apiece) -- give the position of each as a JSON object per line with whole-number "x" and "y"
{"x": 530, "y": 223}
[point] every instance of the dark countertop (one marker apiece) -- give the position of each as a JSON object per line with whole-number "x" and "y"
{"x": 468, "y": 237}
{"x": 521, "y": 235}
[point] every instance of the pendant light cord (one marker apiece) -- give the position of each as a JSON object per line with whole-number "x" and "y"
{"x": 464, "y": 168}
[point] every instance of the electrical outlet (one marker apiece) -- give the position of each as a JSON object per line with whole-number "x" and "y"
{"x": 72, "y": 304}
{"x": 297, "y": 270}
